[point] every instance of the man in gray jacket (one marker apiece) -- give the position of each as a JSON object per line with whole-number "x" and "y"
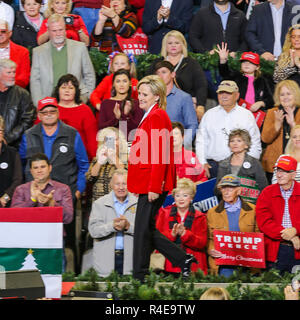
{"x": 58, "y": 57}
{"x": 111, "y": 224}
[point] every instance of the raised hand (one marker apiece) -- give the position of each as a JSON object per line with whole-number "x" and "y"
{"x": 222, "y": 52}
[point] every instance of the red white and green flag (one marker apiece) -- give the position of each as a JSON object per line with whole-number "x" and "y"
{"x": 32, "y": 238}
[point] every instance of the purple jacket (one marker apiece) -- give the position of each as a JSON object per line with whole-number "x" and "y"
{"x": 62, "y": 197}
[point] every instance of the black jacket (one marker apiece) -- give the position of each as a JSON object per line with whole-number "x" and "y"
{"x": 207, "y": 30}
{"x": 63, "y": 158}
{"x": 190, "y": 78}
{"x": 263, "y": 85}
{"x": 11, "y": 173}
{"x": 181, "y": 13}
{"x": 23, "y": 33}
{"x": 18, "y": 113}
{"x": 251, "y": 168}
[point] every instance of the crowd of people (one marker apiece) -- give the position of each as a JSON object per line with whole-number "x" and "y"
{"x": 117, "y": 146}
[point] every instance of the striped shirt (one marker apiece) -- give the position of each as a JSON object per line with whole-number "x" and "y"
{"x": 107, "y": 41}
{"x": 286, "y": 220}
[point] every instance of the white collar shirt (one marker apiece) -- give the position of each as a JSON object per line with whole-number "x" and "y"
{"x": 214, "y": 128}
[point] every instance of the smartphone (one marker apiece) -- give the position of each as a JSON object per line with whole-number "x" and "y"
{"x": 109, "y": 142}
{"x": 106, "y": 3}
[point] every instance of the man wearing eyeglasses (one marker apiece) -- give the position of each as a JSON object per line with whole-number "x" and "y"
{"x": 65, "y": 150}
{"x": 16, "y": 106}
{"x": 277, "y": 215}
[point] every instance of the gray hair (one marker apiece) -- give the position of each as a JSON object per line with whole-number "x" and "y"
{"x": 55, "y": 17}
{"x": 6, "y": 64}
{"x": 2, "y": 21}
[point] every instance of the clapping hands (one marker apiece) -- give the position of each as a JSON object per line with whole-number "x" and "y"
{"x": 178, "y": 230}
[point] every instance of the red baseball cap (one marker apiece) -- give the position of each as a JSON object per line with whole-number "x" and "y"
{"x": 250, "y": 56}
{"x": 47, "y": 102}
{"x": 287, "y": 163}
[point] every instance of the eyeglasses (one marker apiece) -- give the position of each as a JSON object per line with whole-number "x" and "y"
{"x": 45, "y": 113}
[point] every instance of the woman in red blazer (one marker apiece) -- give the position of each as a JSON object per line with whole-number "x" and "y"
{"x": 151, "y": 175}
{"x": 184, "y": 225}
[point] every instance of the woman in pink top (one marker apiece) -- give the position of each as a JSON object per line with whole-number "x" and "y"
{"x": 255, "y": 89}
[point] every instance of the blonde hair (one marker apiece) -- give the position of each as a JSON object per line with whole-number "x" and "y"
{"x": 55, "y": 17}
{"x": 132, "y": 65}
{"x": 157, "y": 87}
{"x": 49, "y": 11}
{"x": 185, "y": 184}
{"x": 290, "y": 85}
{"x": 179, "y": 36}
{"x": 123, "y": 146}
{"x": 284, "y": 58}
{"x": 290, "y": 148}
{"x": 2, "y": 123}
{"x": 215, "y": 293}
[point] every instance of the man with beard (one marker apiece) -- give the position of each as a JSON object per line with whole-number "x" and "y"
{"x": 220, "y": 22}
{"x": 58, "y": 57}
{"x": 15, "y": 104}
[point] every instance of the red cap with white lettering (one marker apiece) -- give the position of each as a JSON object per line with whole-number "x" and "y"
{"x": 287, "y": 163}
{"x": 47, "y": 102}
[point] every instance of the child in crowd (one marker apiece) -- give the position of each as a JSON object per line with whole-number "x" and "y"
{"x": 255, "y": 89}
{"x": 118, "y": 60}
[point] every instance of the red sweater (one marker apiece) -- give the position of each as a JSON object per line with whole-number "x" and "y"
{"x": 82, "y": 119}
{"x": 71, "y": 30}
{"x": 20, "y": 56}
{"x": 193, "y": 241}
{"x": 96, "y": 4}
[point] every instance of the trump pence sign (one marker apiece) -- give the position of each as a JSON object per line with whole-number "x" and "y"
{"x": 240, "y": 248}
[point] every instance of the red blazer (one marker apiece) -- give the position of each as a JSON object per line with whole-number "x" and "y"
{"x": 269, "y": 213}
{"x": 20, "y": 55}
{"x": 151, "y": 160}
{"x": 193, "y": 241}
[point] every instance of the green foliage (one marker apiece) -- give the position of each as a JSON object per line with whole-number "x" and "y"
{"x": 206, "y": 60}
{"x": 100, "y": 61}
{"x": 176, "y": 288}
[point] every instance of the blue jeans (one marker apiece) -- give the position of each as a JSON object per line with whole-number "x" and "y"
{"x": 89, "y": 15}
